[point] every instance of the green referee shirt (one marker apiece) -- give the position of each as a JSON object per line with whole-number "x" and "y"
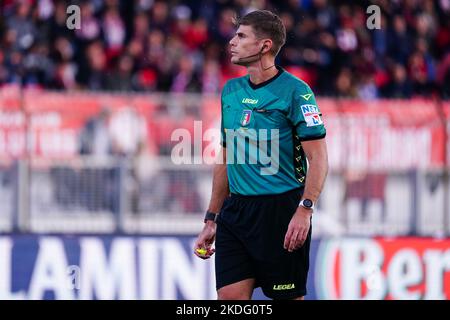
{"x": 262, "y": 127}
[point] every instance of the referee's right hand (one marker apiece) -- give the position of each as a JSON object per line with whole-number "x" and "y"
{"x": 205, "y": 241}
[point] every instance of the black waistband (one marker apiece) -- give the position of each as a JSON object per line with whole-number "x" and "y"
{"x": 242, "y": 196}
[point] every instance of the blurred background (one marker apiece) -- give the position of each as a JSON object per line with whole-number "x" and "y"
{"x": 109, "y": 110}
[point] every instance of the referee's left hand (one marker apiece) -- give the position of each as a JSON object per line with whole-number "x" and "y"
{"x": 298, "y": 229}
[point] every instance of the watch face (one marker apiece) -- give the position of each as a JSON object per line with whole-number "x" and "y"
{"x": 307, "y": 203}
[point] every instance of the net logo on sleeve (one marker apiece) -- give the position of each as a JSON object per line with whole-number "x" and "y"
{"x": 311, "y": 114}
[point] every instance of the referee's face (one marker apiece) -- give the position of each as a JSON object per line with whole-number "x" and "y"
{"x": 245, "y": 48}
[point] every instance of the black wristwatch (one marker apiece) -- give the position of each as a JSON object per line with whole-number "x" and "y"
{"x": 210, "y": 216}
{"x": 307, "y": 203}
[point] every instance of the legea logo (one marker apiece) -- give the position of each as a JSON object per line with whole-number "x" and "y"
{"x": 375, "y": 269}
{"x": 284, "y": 286}
{"x": 250, "y": 101}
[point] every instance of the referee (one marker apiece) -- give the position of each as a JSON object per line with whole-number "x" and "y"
{"x": 273, "y": 170}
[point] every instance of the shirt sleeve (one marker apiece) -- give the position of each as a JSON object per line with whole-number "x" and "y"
{"x": 305, "y": 115}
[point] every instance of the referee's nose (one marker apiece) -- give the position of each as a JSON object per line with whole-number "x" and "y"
{"x": 232, "y": 41}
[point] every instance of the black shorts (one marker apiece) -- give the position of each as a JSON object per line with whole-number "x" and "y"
{"x": 249, "y": 244}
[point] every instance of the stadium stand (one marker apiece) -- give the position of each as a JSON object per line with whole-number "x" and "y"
{"x": 180, "y": 46}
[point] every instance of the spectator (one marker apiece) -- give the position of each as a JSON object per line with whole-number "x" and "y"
{"x": 129, "y": 139}
{"x": 22, "y": 26}
{"x": 399, "y": 86}
{"x": 186, "y": 79}
{"x": 121, "y": 78}
{"x": 211, "y": 81}
{"x": 90, "y": 26}
{"x": 418, "y": 74}
{"x": 328, "y": 41}
{"x": 366, "y": 89}
{"x": 92, "y": 75}
{"x": 114, "y": 32}
{"x": 443, "y": 76}
{"x": 399, "y": 41}
{"x": 128, "y": 132}
{"x": 344, "y": 84}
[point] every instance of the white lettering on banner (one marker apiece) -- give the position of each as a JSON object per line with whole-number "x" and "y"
{"x": 50, "y": 271}
{"x": 374, "y": 278}
{"x": 148, "y": 267}
{"x": 436, "y": 264}
{"x": 402, "y": 149}
{"x": 58, "y": 142}
{"x": 46, "y": 120}
{"x": 104, "y": 278}
{"x": 44, "y": 142}
{"x": 335, "y": 143}
{"x": 361, "y": 144}
{"x": 405, "y": 270}
{"x": 357, "y": 150}
{"x": 359, "y": 259}
{"x": 12, "y": 119}
{"x": 2, "y": 142}
{"x": 387, "y": 269}
{"x": 186, "y": 273}
{"x": 5, "y": 267}
{"x": 15, "y": 141}
{"x": 163, "y": 269}
{"x": 6, "y": 245}
{"x": 46, "y": 134}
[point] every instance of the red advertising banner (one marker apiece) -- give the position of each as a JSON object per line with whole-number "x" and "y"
{"x": 385, "y": 134}
{"x": 379, "y": 268}
{"x": 361, "y": 135}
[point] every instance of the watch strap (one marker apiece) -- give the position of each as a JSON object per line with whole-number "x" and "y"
{"x": 210, "y": 216}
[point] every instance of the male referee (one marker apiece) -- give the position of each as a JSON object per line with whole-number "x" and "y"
{"x": 261, "y": 220}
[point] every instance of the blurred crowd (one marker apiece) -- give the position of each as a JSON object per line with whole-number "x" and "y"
{"x": 181, "y": 46}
